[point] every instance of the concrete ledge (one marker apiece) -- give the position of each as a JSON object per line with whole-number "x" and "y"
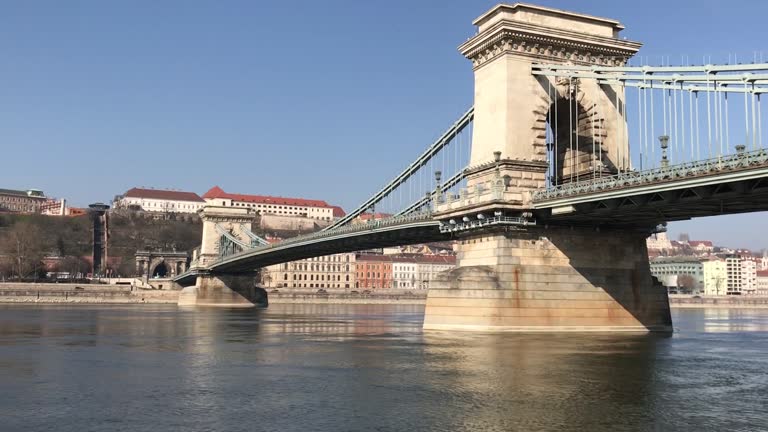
{"x": 548, "y": 329}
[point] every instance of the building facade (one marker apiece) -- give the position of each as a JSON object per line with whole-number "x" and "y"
{"x": 28, "y": 201}
{"x": 374, "y": 271}
{"x": 686, "y": 273}
{"x": 330, "y": 271}
{"x": 401, "y": 271}
{"x": 762, "y": 283}
{"x": 160, "y": 201}
{"x": 659, "y": 244}
{"x": 715, "y": 276}
{"x": 270, "y": 205}
{"x": 748, "y": 277}
{"x": 405, "y": 273}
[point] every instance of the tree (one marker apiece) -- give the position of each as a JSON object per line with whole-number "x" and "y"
{"x": 75, "y": 266}
{"x": 686, "y": 282}
{"x": 127, "y": 267}
{"x": 25, "y": 246}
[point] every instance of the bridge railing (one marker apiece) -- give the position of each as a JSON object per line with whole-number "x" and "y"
{"x": 363, "y": 226}
{"x": 738, "y": 161}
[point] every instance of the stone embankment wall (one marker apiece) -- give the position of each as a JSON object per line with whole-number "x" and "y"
{"x": 124, "y": 294}
{"x": 333, "y": 298}
{"x": 688, "y": 301}
{"x": 81, "y": 293}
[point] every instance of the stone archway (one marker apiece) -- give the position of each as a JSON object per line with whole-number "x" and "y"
{"x": 585, "y": 140}
{"x": 174, "y": 263}
{"x": 160, "y": 270}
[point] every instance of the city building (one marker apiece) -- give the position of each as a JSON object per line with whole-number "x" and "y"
{"x": 748, "y": 276}
{"x": 160, "y": 201}
{"x": 400, "y": 271}
{"x": 715, "y": 276}
{"x": 734, "y": 273}
{"x": 741, "y": 274}
{"x": 762, "y": 283}
{"x": 330, "y": 271}
{"x": 28, "y": 201}
{"x": 659, "y": 244}
{"x": 682, "y": 273}
{"x": 428, "y": 266}
{"x": 701, "y": 246}
{"x": 373, "y": 271}
{"x": 405, "y": 272}
{"x": 270, "y": 205}
{"x": 54, "y": 207}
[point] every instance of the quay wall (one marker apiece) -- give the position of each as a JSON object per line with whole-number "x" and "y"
{"x": 725, "y": 302}
{"x": 81, "y": 293}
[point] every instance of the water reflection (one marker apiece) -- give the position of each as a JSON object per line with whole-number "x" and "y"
{"x": 344, "y": 367}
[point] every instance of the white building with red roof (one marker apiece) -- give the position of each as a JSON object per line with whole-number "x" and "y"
{"x": 701, "y": 245}
{"x": 160, "y": 200}
{"x": 271, "y": 205}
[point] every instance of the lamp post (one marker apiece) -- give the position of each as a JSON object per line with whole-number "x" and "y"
{"x": 664, "y": 141}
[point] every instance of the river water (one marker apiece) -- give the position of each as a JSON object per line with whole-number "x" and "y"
{"x": 369, "y": 368}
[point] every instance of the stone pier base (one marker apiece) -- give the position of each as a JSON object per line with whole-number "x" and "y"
{"x": 552, "y": 280}
{"x": 224, "y": 291}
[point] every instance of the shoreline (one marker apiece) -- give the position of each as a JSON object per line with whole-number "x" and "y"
{"x": 55, "y": 293}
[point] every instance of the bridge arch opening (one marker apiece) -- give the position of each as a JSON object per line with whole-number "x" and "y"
{"x": 583, "y": 130}
{"x": 161, "y": 270}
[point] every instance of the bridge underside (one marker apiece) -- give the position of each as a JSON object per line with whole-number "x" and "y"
{"x": 646, "y": 206}
{"x": 248, "y": 262}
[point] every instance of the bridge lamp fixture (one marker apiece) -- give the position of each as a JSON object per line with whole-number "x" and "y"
{"x": 465, "y": 219}
{"x": 452, "y": 221}
{"x": 664, "y": 142}
{"x": 480, "y": 216}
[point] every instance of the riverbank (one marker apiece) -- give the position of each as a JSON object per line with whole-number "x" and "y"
{"x": 343, "y": 298}
{"x": 83, "y": 294}
{"x": 127, "y": 294}
{"x": 722, "y": 302}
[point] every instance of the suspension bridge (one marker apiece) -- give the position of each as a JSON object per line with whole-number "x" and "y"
{"x": 550, "y": 183}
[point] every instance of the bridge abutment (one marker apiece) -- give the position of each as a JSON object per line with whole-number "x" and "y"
{"x": 555, "y": 279}
{"x": 224, "y": 291}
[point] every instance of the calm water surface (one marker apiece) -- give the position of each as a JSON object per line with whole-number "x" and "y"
{"x": 369, "y": 368}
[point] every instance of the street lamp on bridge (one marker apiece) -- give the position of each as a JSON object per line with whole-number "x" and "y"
{"x": 664, "y": 140}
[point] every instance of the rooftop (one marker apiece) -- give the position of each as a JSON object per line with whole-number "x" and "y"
{"x": 30, "y": 193}
{"x": 217, "y": 192}
{"x": 162, "y": 194}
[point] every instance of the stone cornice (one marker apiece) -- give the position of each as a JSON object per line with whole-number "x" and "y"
{"x": 546, "y": 44}
{"x": 508, "y": 164}
{"x": 228, "y": 217}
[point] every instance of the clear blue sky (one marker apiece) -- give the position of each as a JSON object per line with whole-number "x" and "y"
{"x": 315, "y": 99}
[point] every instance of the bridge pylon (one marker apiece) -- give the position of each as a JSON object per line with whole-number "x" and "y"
{"x": 224, "y": 229}
{"x": 528, "y": 130}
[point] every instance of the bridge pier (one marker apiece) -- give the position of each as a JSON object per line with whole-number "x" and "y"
{"x": 550, "y": 279}
{"x": 224, "y": 291}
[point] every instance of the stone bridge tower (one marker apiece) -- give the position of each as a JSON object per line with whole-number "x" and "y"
{"x": 513, "y": 107}
{"x": 544, "y": 278}
{"x": 230, "y": 289}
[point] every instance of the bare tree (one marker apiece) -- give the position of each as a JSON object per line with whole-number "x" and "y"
{"x": 686, "y": 282}
{"x": 25, "y": 246}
